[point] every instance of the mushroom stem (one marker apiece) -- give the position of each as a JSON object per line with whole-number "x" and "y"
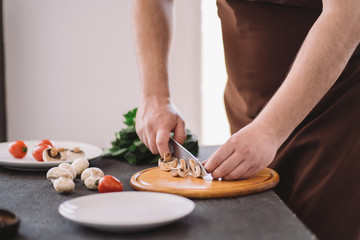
{"x": 167, "y": 157}
{"x": 54, "y": 152}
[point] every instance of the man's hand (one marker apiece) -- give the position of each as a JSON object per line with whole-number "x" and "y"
{"x": 156, "y": 116}
{"x": 246, "y": 153}
{"x": 320, "y": 61}
{"x": 155, "y": 120}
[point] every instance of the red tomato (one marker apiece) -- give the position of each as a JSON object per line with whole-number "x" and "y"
{"x": 46, "y": 142}
{"x": 109, "y": 183}
{"x": 18, "y": 149}
{"x": 38, "y": 152}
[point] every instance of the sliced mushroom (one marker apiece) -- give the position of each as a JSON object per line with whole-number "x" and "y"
{"x": 70, "y": 168}
{"x": 183, "y": 164}
{"x": 183, "y": 173}
{"x": 192, "y": 165}
{"x": 55, "y": 173}
{"x": 64, "y": 184}
{"x": 63, "y": 152}
{"x": 174, "y": 173}
{"x": 51, "y": 154}
{"x": 80, "y": 165}
{"x": 93, "y": 170}
{"x": 195, "y": 170}
{"x": 169, "y": 165}
{"x": 184, "y": 168}
{"x": 75, "y": 154}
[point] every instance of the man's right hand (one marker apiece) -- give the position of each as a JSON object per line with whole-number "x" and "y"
{"x": 155, "y": 120}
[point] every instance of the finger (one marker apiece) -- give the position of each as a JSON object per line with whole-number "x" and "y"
{"x": 140, "y": 133}
{"x": 204, "y": 162}
{"x": 151, "y": 140}
{"x": 179, "y": 131}
{"x": 240, "y": 172}
{"x": 251, "y": 172}
{"x": 227, "y": 166}
{"x": 220, "y": 155}
{"x": 143, "y": 139}
{"x": 162, "y": 141}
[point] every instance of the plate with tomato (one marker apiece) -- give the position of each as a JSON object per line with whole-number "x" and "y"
{"x": 27, "y": 155}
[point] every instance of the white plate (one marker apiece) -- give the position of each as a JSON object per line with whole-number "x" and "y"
{"x": 126, "y": 211}
{"x": 29, "y": 163}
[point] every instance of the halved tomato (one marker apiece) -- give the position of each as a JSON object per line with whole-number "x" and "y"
{"x": 109, "y": 183}
{"x": 46, "y": 142}
{"x": 38, "y": 152}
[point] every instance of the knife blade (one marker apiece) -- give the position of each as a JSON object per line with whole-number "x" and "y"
{"x": 177, "y": 150}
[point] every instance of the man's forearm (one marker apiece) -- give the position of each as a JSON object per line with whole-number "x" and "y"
{"x": 152, "y": 33}
{"x": 320, "y": 61}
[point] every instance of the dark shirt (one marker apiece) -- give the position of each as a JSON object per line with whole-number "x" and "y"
{"x": 300, "y": 3}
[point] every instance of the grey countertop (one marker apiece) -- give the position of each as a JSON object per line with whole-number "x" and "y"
{"x": 259, "y": 216}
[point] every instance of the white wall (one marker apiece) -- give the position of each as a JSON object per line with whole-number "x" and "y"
{"x": 71, "y": 70}
{"x": 215, "y": 126}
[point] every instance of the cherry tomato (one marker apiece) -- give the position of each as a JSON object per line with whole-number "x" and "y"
{"x": 18, "y": 149}
{"x": 38, "y": 152}
{"x": 46, "y": 142}
{"x": 109, "y": 183}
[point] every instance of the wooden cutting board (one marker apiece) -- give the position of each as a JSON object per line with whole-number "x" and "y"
{"x": 156, "y": 180}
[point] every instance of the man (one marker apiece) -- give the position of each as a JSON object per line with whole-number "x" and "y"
{"x": 292, "y": 100}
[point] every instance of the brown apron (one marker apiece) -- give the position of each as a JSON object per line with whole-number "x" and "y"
{"x": 319, "y": 164}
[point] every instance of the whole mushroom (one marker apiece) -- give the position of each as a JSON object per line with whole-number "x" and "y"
{"x": 64, "y": 184}
{"x": 87, "y": 173}
{"x": 55, "y": 173}
{"x": 70, "y": 168}
{"x": 80, "y": 165}
{"x": 92, "y": 181}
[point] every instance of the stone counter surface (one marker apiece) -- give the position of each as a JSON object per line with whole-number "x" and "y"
{"x": 259, "y": 216}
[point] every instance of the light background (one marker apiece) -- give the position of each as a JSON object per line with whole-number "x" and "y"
{"x": 71, "y": 69}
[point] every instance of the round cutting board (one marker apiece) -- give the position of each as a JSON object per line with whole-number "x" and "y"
{"x": 156, "y": 180}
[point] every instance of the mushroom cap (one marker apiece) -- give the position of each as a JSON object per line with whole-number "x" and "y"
{"x": 89, "y": 171}
{"x": 80, "y": 164}
{"x": 55, "y": 172}
{"x": 68, "y": 167}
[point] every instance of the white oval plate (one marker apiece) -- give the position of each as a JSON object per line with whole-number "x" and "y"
{"x": 126, "y": 211}
{"x": 29, "y": 163}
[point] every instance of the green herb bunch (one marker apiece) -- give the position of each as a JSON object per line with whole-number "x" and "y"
{"x": 127, "y": 145}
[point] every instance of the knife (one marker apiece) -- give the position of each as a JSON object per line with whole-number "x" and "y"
{"x": 178, "y": 151}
